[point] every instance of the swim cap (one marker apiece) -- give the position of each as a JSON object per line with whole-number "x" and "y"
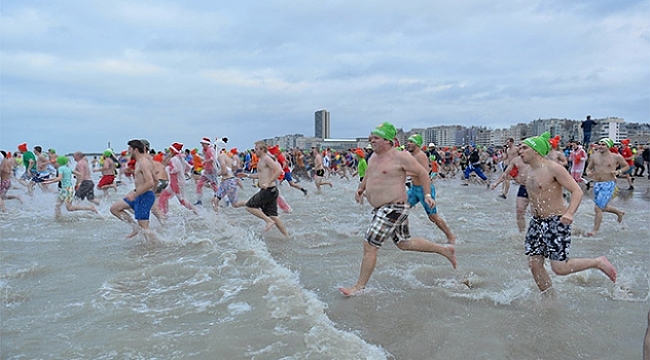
{"x": 158, "y": 157}
{"x": 359, "y": 152}
{"x": 22, "y": 147}
{"x": 51, "y": 151}
{"x": 555, "y": 141}
{"x": 62, "y": 160}
{"x": 385, "y": 131}
{"x": 416, "y": 139}
{"x": 108, "y": 152}
{"x": 608, "y": 141}
{"x": 540, "y": 143}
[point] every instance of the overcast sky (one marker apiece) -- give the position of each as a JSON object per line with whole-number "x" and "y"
{"x": 78, "y": 74}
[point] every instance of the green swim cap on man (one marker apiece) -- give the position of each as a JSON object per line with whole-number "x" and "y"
{"x": 416, "y": 139}
{"x": 540, "y": 143}
{"x": 385, "y": 131}
{"x": 609, "y": 142}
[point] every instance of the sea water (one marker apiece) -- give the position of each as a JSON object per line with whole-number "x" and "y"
{"x": 216, "y": 286}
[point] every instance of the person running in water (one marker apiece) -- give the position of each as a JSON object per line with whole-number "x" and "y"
{"x": 549, "y": 231}
{"x": 416, "y": 191}
{"x": 177, "y": 167}
{"x": 210, "y": 170}
{"x": 384, "y": 188}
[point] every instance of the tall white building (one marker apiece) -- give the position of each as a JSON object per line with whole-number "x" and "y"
{"x": 322, "y": 124}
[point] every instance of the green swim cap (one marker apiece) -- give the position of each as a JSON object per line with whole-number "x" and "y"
{"x": 416, "y": 139}
{"x": 385, "y": 131}
{"x": 540, "y": 143}
{"x": 62, "y": 160}
{"x": 608, "y": 141}
{"x": 108, "y": 152}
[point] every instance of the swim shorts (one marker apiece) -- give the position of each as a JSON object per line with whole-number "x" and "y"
{"x": 41, "y": 176}
{"x": 106, "y": 180}
{"x": 66, "y": 193}
{"x": 416, "y": 195}
{"x": 389, "y": 221}
{"x": 162, "y": 185}
{"x": 603, "y": 192}
{"x": 522, "y": 192}
{"x": 266, "y": 200}
{"x": 548, "y": 237}
{"x": 85, "y": 190}
{"x": 228, "y": 187}
{"x": 320, "y": 172}
{"x": 141, "y": 205}
{"x": 5, "y": 185}
{"x": 287, "y": 176}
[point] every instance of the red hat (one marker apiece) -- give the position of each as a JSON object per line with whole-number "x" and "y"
{"x": 625, "y": 141}
{"x": 274, "y": 150}
{"x": 206, "y": 140}
{"x": 22, "y": 147}
{"x": 555, "y": 141}
{"x": 233, "y": 151}
{"x": 158, "y": 157}
{"x": 176, "y": 147}
{"x": 359, "y": 152}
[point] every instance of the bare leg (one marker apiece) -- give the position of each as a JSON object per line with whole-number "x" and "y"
{"x": 542, "y": 279}
{"x": 575, "y": 265}
{"x": 280, "y": 225}
{"x": 598, "y": 218}
{"x": 70, "y": 207}
{"x": 442, "y": 225}
{"x": 423, "y": 245}
{"x": 118, "y": 209}
{"x": 367, "y": 267}
{"x": 258, "y": 212}
{"x": 522, "y": 204}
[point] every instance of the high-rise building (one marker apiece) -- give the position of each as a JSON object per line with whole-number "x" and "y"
{"x": 322, "y": 124}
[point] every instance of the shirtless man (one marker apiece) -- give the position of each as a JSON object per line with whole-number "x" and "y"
{"x": 416, "y": 191}
{"x": 510, "y": 153}
{"x": 141, "y": 199}
{"x": 6, "y": 169}
{"x": 383, "y": 186}
{"x": 602, "y": 169}
{"x": 229, "y": 183}
{"x": 108, "y": 173}
{"x": 86, "y": 185}
{"x": 517, "y": 171}
{"x": 210, "y": 171}
{"x": 42, "y": 171}
{"x": 319, "y": 170}
{"x": 264, "y": 204}
{"x": 549, "y": 231}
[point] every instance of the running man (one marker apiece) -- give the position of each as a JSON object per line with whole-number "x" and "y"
{"x": 141, "y": 199}
{"x": 210, "y": 170}
{"x": 416, "y": 191}
{"x": 549, "y": 231}
{"x": 384, "y": 188}
{"x": 602, "y": 169}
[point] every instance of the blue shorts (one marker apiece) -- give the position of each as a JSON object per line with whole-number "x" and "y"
{"x": 416, "y": 195}
{"x": 630, "y": 170}
{"x": 142, "y": 204}
{"x": 522, "y": 192}
{"x": 603, "y": 192}
{"x": 287, "y": 176}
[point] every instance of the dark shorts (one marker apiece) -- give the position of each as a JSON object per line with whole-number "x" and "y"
{"x": 320, "y": 172}
{"x": 141, "y": 205}
{"x": 389, "y": 222}
{"x": 287, "y": 176}
{"x": 85, "y": 190}
{"x": 162, "y": 185}
{"x": 522, "y": 192}
{"x": 549, "y": 238}
{"x": 266, "y": 200}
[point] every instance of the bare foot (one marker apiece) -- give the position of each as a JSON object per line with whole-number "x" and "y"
{"x": 94, "y": 209}
{"x": 134, "y": 233}
{"x": 607, "y": 268}
{"x": 350, "y": 291}
{"x": 269, "y": 225}
{"x": 620, "y": 216}
{"x": 450, "y": 254}
{"x": 452, "y": 241}
{"x": 591, "y": 233}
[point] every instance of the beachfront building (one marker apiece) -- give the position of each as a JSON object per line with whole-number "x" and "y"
{"x": 611, "y": 127}
{"x": 322, "y": 124}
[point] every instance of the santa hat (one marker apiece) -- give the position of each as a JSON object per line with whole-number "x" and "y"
{"x": 22, "y": 147}
{"x": 555, "y": 141}
{"x": 176, "y": 147}
{"x": 274, "y": 150}
{"x": 158, "y": 157}
{"x": 206, "y": 140}
{"x": 233, "y": 151}
{"x": 625, "y": 141}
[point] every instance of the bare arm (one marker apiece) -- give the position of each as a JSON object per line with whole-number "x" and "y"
{"x": 565, "y": 179}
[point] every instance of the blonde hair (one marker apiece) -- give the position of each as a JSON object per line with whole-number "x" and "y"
{"x": 262, "y": 145}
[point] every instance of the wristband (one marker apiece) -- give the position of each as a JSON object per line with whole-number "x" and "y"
{"x": 427, "y": 195}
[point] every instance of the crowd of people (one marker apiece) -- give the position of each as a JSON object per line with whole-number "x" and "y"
{"x": 393, "y": 178}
